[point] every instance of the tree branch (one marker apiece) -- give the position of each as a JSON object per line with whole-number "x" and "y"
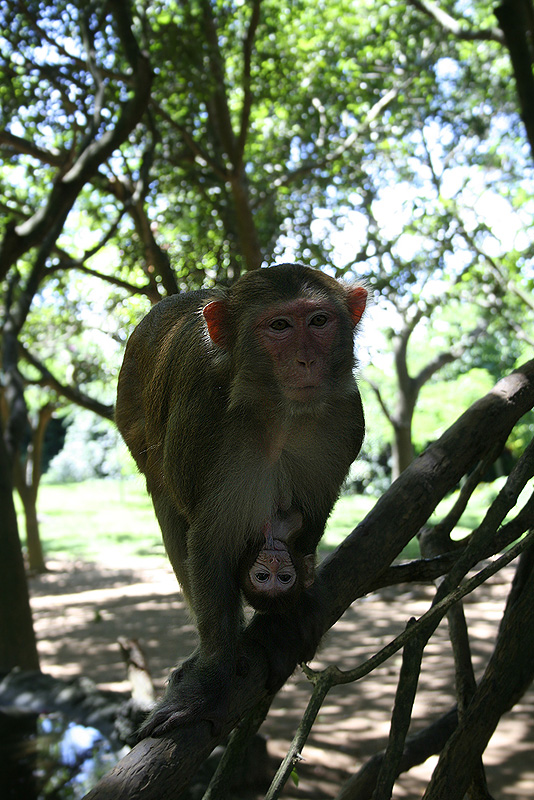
{"x": 66, "y": 263}
{"x": 381, "y": 104}
{"x": 418, "y": 748}
{"x": 223, "y": 119}
{"x": 20, "y": 145}
{"x": 499, "y": 689}
{"x": 247, "y": 93}
{"x": 69, "y": 392}
{"x": 452, "y": 26}
{"x": 197, "y": 151}
{"x": 46, "y": 224}
{"x": 381, "y": 401}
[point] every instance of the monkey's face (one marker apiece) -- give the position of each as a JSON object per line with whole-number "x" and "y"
{"x": 298, "y": 336}
{"x": 287, "y": 331}
{"x": 279, "y": 571}
{"x": 273, "y": 572}
{"x": 277, "y": 577}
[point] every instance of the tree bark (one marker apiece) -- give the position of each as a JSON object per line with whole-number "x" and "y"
{"x": 18, "y": 647}
{"x": 402, "y": 449}
{"x": 161, "y": 768}
{"x": 36, "y": 560}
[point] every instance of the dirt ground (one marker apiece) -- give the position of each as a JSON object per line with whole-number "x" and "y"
{"x": 80, "y": 610}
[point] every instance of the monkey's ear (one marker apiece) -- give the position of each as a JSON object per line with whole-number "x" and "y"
{"x": 357, "y": 298}
{"x": 308, "y": 577}
{"x": 216, "y": 316}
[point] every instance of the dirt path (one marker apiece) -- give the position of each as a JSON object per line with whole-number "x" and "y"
{"x": 80, "y": 610}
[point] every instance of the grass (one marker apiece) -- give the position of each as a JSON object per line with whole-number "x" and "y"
{"x": 110, "y": 519}
{"x": 97, "y": 520}
{"x": 107, "y": 520}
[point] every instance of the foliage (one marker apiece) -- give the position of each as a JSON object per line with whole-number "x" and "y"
{"x": 391, "y": 161}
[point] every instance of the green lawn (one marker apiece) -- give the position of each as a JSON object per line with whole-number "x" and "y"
{"x": 97, "y": 520}
{"x": 110, "y": 519}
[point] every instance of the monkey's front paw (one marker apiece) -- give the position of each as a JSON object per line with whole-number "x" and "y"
{"x": 195, "y": 693}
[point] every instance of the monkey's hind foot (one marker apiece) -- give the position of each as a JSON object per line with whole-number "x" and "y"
{"x": 194, "y": 694}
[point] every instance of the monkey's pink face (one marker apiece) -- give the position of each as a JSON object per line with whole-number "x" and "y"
{"x": 299, "y": 336}
{"x": 273, "y": 571}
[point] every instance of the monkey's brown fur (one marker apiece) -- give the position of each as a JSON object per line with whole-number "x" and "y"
{"x": 239, "y": 404}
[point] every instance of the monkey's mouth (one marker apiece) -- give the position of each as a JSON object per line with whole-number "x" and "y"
{"x": 302, "y": 393}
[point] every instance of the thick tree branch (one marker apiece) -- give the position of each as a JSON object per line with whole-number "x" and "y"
{"x": 248, "y": 45}
{"x": 358, "y": 563}
{"x": 17, "y": 144}
{"x": 516, "y": 18}
{"x": 498, "y": 690}
{"x": 157, "y": 768}
{"x": 220, "y": 116}
{"x": 424, "y": 570}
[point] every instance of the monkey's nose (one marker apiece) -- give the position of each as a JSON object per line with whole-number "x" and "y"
{"x": 306, "y": 361}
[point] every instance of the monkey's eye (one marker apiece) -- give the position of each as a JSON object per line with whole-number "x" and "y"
{"x": 262, "y": 577}
{"x": 285, "y": 577}
{"x": 319, "y": 320}
{"x": 279, "y": 324}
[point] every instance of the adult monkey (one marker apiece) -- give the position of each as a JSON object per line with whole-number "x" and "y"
{"x": 241, "y": 408}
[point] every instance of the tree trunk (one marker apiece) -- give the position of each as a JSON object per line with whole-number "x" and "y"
{"x": 403, "y": 452}
{"x": 18, "y": 647}
{"x": 36, "y": 561}
{"x": 27, "y": 479}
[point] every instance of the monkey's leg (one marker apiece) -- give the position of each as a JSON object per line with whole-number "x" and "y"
{"x": 174, "y": 527}
{"x": 200, "y": 688}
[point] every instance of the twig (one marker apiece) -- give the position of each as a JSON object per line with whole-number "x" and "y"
{"x": 402, "y": 713}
